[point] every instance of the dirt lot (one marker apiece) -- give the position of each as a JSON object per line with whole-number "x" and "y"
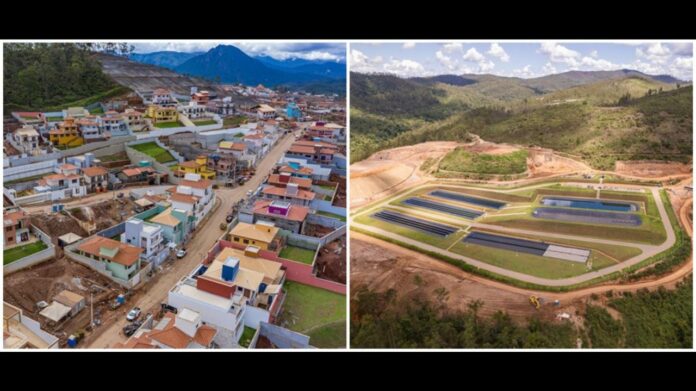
{"x": 42, "y": 282}
{"x": 85, "y": 220}
{"x": 651, "y": 169}
{"x": 380, "y": 266}
{"x": 316, "y": 230}
{"x": 330, "y": 264}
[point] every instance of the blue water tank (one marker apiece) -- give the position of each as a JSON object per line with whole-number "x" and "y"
{"x": 72, "y": 341}
{"x": 120, "y": 299}
{"x": 230, "y": 268}
{"x": 262, "y": 287}
{"x": 144, "y": 163}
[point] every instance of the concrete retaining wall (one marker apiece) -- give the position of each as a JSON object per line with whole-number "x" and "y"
{"x": 31, "y": 260}
{"x": 29, "y": 170}
{"x": 89, "y": 147}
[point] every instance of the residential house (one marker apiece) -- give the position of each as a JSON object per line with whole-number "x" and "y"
{"x": 245, "y": 160}
{"x": 136, "y": 174}
{"x": 263, "y": 235}
{"x": 198, "y": 166}
{"x": 200, "y": 98}
{"x": 114, "y": 123}
{"x": 291, "y": 193}
{"x": 27, "y": 139}
{"x": 67, "y": 134}
{"x": 121, "y": 259}
{"x": 22, "y": 332}
{"x": 96, "y": 179}
{"x": 282, "y": 214}
{"x": 75, "y": 112}
{"x": 327, "y": 131}
{"x": 134, "y": 120}
{"x": 174, "y": 223}
{"x": 184, "y": 330}
{"x": 72, "y": 300}
{"x": 296, "y": 170}
{"x": 222, "y": 106}
{"x": 238, "y": 288}
{"x": 224, "y": 165}
{"x": 17, "y": 226}
{"x": 163, "y": 97}
{"x": 264, "y": 111}
{"x": 193, "y": 195}
{"x": 160, "y": 114}
{"x": 148, "y": 237}
{"x": 193, "y": 109}
{"x": 285, "y": 178}
{"x": 65, "y": 183}
{"x": 92, "y": 130}
{"x": 318, "y": 152}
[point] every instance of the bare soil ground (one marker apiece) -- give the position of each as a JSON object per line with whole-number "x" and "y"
{"x": 380, "y": 266}
{"x": 331, "y": 261}
{"x": 85, "y": 220}
{"x": 42, "y": 282}
{"x": 651, "y": 169}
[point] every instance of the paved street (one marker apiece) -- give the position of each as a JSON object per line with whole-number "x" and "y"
{"x": 156, "y": 291}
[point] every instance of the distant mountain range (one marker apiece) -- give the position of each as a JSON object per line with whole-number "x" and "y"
{"x": 228, "y": 64}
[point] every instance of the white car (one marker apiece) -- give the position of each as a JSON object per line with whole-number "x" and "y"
{"x": 249, "y": 193}
{"x": 181, "y": 253}
{"x": 133, "y": 314}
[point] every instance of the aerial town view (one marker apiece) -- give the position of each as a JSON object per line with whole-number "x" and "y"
{"x": 174, "y": 195}
{"x": 521, "y": 195}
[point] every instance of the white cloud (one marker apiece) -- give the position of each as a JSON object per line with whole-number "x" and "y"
{"x": 409, "y": 45}
{"x": 473, "y": 55}
{"x": 445, "y": 60}
{"x": 655, "y": 52}
{"x": 498, "y": 52}
{"x": 525, "y": 72}
{"x": 359, "y": 62}
{"x": 405, "y": 68}
{"x": 560, "y": 54}
{"x": 453, "y": 47}
{"x": 598, "y": 64}
{"x": 549, "y": 68}
{"x": 594, "y": 54}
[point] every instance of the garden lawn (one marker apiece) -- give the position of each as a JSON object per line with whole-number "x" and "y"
{"x": 332, "y": 215}
{"x": 204, "y": 122}
{"x": 247, "y": 336}
{"x": 20, "y": 252}
{"x": 155, "y": 151}
{"x": 315, "y": 312}
{"x": 298, "y": 254}
{"x": 170, "y": 124}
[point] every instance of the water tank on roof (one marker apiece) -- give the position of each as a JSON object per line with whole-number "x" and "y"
{"x": 120, "y": 299}
{"x": 144, "y": 163}
{"x": 72, "y": 341}
{"x": 230, "y": 268}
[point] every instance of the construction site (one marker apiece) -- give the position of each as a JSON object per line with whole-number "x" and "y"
{"x": 544, "y": 244}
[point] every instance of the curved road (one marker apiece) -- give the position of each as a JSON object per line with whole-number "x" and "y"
{"x": 648, "y": 250}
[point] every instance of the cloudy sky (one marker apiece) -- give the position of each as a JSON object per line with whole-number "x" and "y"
{"x": 521, "y": 59}
{"x": 280, "y": 50}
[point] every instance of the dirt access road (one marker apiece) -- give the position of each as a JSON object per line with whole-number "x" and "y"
{"x": 155, "y": 292}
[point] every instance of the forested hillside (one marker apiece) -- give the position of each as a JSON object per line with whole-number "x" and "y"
{"x": 43, "y": 75}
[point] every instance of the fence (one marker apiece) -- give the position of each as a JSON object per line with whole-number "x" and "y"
{"x": 28, "y": 170}
{"x": 89, "y": 147}
{"x": 33, "y": 259}
{"x": 325, "y": 221}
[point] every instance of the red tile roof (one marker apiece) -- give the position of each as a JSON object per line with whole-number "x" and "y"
{"x": 200, "y": 184}
{"x": 178, "y": 197}
{"x": 295, "y": 213}
{"x": 127, "y": 255}
{"x": 305, "y": 183}
{"x": 94, "y": 171}
{"x": 281, "y": 191}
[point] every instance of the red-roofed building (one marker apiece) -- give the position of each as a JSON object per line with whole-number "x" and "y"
{"x": 185, "y": 330}
{"x": 282, "y": 180}
{"x": 317, "y": 152}
{"x": 282, "y": 214}
{"x": 291, "y": 193}
{"x": 16, "y": 226}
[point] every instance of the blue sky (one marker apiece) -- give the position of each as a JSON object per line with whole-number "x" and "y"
{"x": 327, "y": 51}
{"x": 521, "y": 59}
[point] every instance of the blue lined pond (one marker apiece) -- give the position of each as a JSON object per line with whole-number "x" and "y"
{"x": 619, "y": 206}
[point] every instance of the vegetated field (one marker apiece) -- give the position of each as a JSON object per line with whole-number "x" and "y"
{"x": 233, "y": 121}
{"x": 315, "y": 312}
{"x": 247, "y": 336}
{"x": 414, "y": 234}
{"x": 19, "y": 252}
{"x": 204, "y": 122}
{"x": 170, "y": 124}
{"x": 332, "y": 215}
{"x": 297, "y": 254}
{"x": 461, "y": 160}
{"x": 155, "y": 151}
{"x": 533, "y": 265}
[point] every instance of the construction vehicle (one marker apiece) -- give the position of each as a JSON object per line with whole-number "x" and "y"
{"x": 533, "y": 300}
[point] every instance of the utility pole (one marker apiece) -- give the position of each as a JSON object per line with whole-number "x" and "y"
{"x": 91, "y": 307}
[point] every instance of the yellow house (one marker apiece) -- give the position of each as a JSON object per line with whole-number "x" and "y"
{"x": 198, "y": 166}
{"x": 261, "y": 234}
{"x": 162, "y": 114}
{"x": 67, "y": 134}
